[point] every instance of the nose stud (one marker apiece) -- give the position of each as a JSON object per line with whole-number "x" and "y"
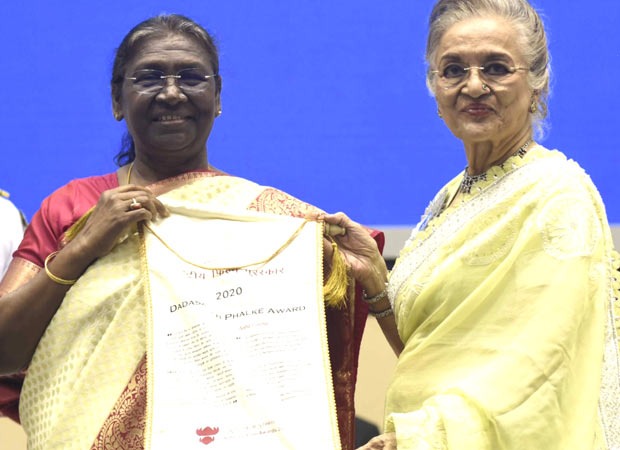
{"x": 485, "y": 87}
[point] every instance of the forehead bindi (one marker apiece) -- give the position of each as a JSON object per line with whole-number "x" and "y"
{"x": 171, "y": 52}
{"x": 478, "y": 39}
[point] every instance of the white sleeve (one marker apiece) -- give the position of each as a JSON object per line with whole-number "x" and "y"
{"x": 11, "y": 232}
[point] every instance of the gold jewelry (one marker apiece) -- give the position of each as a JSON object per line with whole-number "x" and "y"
{"x": 129, "y": 172}
{"x": 134, "y": 204}
{"x": 533, "y": 107}
{"x": 439, "y": 113}
{"x": 53, "y": 277}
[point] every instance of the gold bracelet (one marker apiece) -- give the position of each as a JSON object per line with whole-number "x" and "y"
{"x": 53, "y": 277}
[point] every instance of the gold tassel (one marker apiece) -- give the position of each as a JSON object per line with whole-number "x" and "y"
{"x": 335, "y": 288}
{"x": 77, "y": 226}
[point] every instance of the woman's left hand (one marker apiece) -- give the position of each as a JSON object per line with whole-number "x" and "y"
{"x": 382, "y": 442}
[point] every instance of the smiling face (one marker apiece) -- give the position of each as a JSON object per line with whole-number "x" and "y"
{"x": 476, "y": 110}
{"x": 169, "y": 127}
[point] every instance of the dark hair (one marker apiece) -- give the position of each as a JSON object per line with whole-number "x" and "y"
{"x": 158, "y": 26}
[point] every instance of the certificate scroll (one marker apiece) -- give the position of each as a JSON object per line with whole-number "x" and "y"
{"x": 237, "y": 353}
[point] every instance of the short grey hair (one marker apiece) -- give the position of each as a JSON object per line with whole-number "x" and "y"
{"x": 531, "y": 37}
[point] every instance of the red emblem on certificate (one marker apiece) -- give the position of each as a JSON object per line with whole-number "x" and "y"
{"x": 207, "y": 434}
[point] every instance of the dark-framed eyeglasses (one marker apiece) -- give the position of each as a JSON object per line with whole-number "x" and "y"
{"x": 493, "y": 73}
{"x": 152, "y": 81}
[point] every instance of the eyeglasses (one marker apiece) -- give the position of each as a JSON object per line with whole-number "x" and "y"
{"x": 494, "y": 73}
{"x": 152, "y": 81}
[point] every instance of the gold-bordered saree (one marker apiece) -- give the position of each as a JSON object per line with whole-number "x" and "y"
{"x": 505, "y": 303}
{"x": 85, "y": 386}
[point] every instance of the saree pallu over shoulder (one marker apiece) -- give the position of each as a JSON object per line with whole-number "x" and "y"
{"x": 87, "y": 355}
{"x": 96, "y": 340}
{"x": 86, "y": 388}
{"x": 20, "y": 271}
{"x": 502, "y": 305}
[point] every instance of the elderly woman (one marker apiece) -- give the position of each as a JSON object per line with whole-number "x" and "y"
{"x": 500, "y": 304}
{"x": 166, "y": 86}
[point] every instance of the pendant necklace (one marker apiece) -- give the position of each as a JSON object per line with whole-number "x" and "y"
{"x": 468, "y": 180}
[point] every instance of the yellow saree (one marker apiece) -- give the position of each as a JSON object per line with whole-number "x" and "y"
{"x": 503, "y": 304}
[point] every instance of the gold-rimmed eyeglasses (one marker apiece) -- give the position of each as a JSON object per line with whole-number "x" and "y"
{"x": 152, "y": 81}
{"x": 494, "y": 73}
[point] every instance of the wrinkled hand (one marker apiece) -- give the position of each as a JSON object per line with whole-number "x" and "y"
{"x": 382, "y": 442}
{"x": 359, "y": 250}
{"x": 114, "y": 214}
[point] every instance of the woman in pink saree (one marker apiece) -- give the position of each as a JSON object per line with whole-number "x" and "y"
{"x": 166, "y": 86}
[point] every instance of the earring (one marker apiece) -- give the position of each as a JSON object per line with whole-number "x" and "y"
{"x": 439, "y": 113}
{"x": 219, "y": 112}
{"x": 533, "y": 107}
{"x": 118, "y": 116}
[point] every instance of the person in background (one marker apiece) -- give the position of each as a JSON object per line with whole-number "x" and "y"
{"x": 12, "y": 224}
{"x": 503, "y": 304}
{"x": 166, "y": 86}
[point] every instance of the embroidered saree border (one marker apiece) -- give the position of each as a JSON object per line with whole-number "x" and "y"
{"x": 421, "y": 255}
{"x": 609, "y": 403}
{"x": 52, "y": 420}
{"x": 20, "y": 272}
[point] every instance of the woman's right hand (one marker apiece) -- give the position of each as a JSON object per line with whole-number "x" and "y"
{"x": 116, "y": 211}
{"x": 26, "y": 311}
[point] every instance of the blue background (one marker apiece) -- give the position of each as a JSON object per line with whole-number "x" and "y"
{"x": 325, "y": 100}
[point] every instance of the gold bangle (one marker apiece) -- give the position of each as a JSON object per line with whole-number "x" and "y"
{"x": 53, "y": 277}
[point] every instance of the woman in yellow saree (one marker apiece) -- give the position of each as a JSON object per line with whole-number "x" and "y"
{"x": 501, "y": 304}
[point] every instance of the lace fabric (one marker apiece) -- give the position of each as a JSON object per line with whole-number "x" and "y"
{"x": 609, "y": 404}
{"x": 430, "y": 232}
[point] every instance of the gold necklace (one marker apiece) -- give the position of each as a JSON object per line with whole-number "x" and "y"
{"x": 129, "y": 172}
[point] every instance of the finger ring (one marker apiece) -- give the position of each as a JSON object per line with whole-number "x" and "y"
{"x": 134, "y": 204}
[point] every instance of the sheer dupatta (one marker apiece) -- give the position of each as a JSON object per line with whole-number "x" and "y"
{"x": 502, "y": 303}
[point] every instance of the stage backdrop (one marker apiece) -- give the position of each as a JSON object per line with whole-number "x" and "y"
{"x": 325, "y": 100}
